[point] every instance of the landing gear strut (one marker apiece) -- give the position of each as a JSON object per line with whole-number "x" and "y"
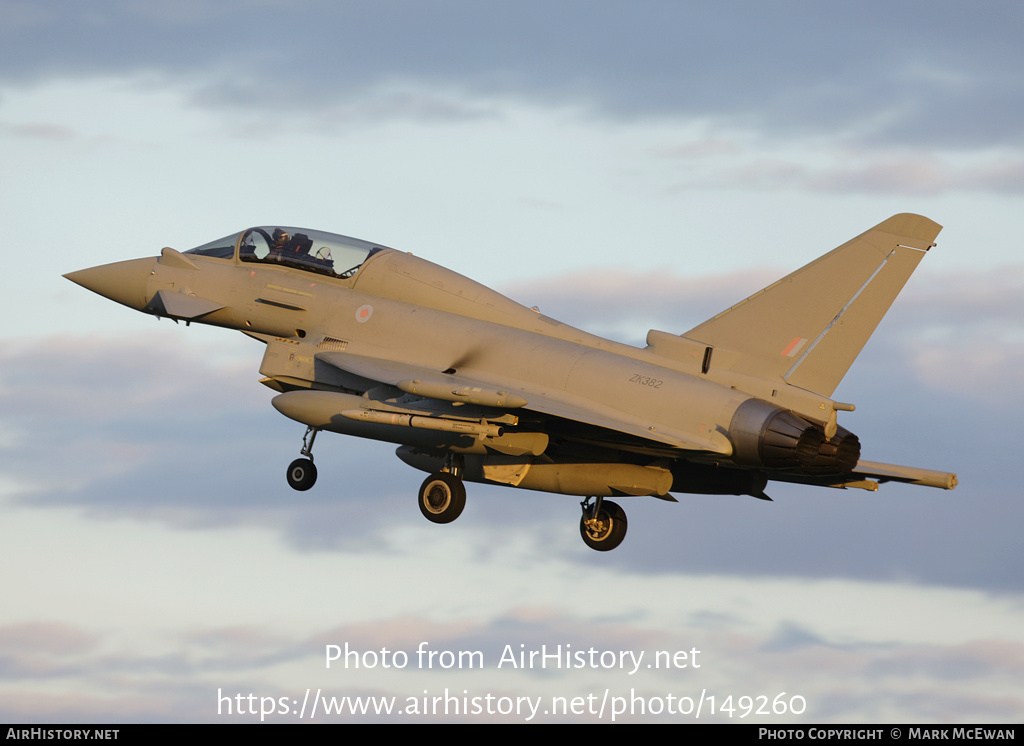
{"x": 302, "y": 472}
{"x": 602, "y": 525}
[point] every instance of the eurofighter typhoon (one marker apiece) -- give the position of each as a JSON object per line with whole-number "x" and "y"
{"x": 376, "y": 343}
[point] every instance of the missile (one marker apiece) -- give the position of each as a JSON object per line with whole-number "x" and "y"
{"x": 424, "y": 423}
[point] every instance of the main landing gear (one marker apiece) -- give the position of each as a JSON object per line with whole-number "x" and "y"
{"x": 302, "y": 472}
{"x": 442, "y": 497}
{"x": 443, "y": 494}
{"x": 603, "y": 524}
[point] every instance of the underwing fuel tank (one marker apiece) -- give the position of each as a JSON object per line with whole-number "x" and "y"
{"x": 569, "y": 478}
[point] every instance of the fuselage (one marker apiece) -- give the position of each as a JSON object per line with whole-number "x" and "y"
{"x": 341, "y": 339}
{"x": 367, "y": 341}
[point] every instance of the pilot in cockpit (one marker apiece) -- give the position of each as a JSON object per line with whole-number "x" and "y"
{"x": 284, "y": 245}
{"x": 278, "y": 243}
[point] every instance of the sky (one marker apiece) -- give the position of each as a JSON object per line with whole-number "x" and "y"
{"x": 622, "y": 166}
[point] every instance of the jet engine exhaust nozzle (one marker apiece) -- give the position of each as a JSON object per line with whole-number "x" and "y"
{"x": 775, "y": 438}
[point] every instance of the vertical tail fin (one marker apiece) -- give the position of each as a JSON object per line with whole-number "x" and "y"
{"x": 808, "y": 327}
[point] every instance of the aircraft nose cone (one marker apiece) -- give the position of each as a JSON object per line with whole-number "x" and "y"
{"x": 124, "y": 282}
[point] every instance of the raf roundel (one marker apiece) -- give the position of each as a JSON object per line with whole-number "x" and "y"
{"x": 363, "y": 313}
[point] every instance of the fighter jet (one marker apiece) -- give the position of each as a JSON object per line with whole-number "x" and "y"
{"x": 376, "y": 343}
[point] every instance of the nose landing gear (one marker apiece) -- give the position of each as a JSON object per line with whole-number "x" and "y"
{"x": 302, "y": 472}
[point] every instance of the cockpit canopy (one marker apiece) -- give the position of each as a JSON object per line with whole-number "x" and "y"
{"x": 315, "y": 251}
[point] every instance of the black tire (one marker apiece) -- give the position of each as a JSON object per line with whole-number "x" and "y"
{"x": 442, "y": 497}
{"x": 610, "y": 529}
{"x": 301, "y": 474}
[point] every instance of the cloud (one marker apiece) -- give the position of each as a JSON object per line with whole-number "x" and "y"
{"x": 829, "y": 171}
{"x": 39, "y": 131}
{"x": 858, "y": 654}
{"x": 788, "y": 71}
{"x": 43, "y": 649}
